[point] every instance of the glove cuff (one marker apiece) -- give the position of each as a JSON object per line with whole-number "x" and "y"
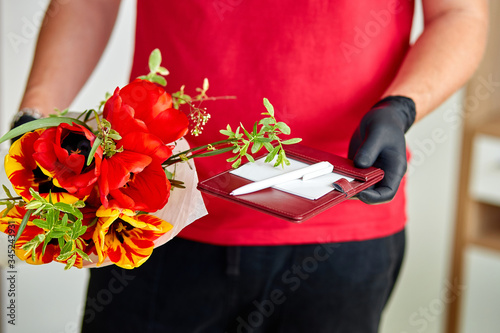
{"x": 25, "y": 115}
{"x": 407, "y": 108}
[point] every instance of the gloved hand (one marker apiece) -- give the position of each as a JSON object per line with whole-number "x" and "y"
{"x": 379, "y": 141}
{"x": 23, "y": 117}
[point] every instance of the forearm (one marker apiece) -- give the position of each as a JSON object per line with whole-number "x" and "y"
{"x": 443, "y": 58}
{"x": 71, "y": 41}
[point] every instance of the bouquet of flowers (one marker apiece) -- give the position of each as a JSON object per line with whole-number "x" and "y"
{"x": 90, "y": 191}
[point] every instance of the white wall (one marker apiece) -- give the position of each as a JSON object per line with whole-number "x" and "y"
{"x": 49, "y": 299}
{"x": 417, "y": 303}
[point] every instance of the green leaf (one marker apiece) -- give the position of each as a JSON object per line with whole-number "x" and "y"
{"x": 236, "y": 164}
{"x": 83, "y": 229}
{"x": 45, "y": 243}
{"x": 237, "y": 132}
{"x": 61, "y": 228}
{"x": 36, "y": 195}
{"x": 56, "y": 234}
{"x": 41, "y": 223}
{"x": 6, "y": 211}
{"x": 84, "y": 255}
{"x": 88, "y": 113}
{"x": 177, "y": 184}
{"x": 284, "y": 128}
{"x": 39, "y": 123}
{"x": 64, "y": 221}
{"x": 262, "y": 139}
{"x": 97, "y": 143}
{"x": 244, "y": 149}
{"x": 268, "y": 146}
{"x": 232, "y": 159}
{"x": 254, "y": 130}
{"x": 272, "y": 154}
{"x": 266, "y": 129}
{"x": 279, "y": 160}
{"x": 227, "y": 133}
{"x": 256, "y": 147}
{"x": 79, "y": 204}
{"x": 282, "y": 160}
{"x": 269, "y": 107}
{"x": 163, "y": 71}
{"x": 114, "y": 135}
{"x": 67, "y": 208}
{"x": 23, "y": 224}
{"x": 154, "y": 60}
{"x": 291, "y": 141}
{"x": 52, "y": 216}
{"x": 246, "y": 132}
{"x": 77, "y": 230}
{"x": 32, "y": 244}
{"x": 66, "y": 251}
{"x": 7, "y": 192}
{"x": 37, "y": 212}
{"x": 35, "y": 204}
{"x": 250, "y": 158}
{"x": 267, "y": 121}
{"x": 70, "y": 262}
{"x": 159, "y": 79}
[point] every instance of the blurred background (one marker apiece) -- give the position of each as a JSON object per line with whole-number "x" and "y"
{"x": 453, "y": 194}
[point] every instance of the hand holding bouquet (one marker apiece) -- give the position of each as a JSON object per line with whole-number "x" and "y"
{"x": 86, "y": 191}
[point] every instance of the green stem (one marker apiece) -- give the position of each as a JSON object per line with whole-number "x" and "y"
{"x": 200, "y": 148}
{"x": 171, "y": 161}
{"x": 13, "y": 199}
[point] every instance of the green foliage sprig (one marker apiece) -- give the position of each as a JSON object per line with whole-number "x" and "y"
{"x": 9, "y": 202}
{"x": 269, "y": 132}
{"x": 60, "y": 221}
{"x": 245, "y": 144}
{"x": 156, "y": 71}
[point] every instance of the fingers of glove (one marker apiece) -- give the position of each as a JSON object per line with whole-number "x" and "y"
{"x": 376, "y": 195}
{"x": 394, "y": 165}
{"x": 369, "y": 150}
{"x": 354, "y": 145}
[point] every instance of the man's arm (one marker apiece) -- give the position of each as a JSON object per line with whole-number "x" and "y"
{"x": 440, "y": 62}
{"x": 445, "y": 55}
{"x": 72, "y": 39}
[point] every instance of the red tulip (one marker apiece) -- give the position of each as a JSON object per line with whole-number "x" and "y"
{"x": 24, "y": 173}
{"x": 142, "y": 106}
{"x": 62, "y": 151}
{"x": 126, "y": 238}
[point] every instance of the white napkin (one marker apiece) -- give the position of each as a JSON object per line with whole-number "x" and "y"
{"x": 310, "y": 189}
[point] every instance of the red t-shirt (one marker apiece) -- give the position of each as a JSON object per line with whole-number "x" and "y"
{"x": 322, "y": 64}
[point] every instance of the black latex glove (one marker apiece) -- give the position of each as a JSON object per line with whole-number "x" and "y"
{"x": 22, "y": 120}
{"x": 379, "y": 141}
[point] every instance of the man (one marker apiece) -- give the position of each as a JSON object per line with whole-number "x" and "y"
{"x": 331, "y": 69}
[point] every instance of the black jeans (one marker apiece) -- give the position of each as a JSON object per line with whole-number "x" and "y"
{"x": 192, "y": 287}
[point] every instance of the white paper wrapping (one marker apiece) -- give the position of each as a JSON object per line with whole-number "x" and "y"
{"x": 184, "y": 205}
